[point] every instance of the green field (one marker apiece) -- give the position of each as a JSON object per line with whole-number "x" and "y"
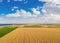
{"x": 42, "y": 26}
{"x": 6, "y": 29}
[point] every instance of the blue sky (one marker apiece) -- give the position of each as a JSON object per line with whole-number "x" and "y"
{"x": 29, "y": 11}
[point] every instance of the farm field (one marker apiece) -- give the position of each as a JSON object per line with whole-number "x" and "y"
{"x": 32, "y": 35}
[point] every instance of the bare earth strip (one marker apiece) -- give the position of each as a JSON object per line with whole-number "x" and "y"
{"x": 32, "y": 35}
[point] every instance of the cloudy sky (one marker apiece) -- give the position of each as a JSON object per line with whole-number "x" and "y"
{"x": 29, "y": 11}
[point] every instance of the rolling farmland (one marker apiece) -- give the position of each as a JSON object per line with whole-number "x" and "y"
{"x": 32, "y": 35}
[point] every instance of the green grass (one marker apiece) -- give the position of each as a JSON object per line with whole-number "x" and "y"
{"x": 33, "y": 26}
{"x": 5, "y": 30}
{"x": 43, "y": 26}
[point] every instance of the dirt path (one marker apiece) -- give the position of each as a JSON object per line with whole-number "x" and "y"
{"x": 32, "y": 35}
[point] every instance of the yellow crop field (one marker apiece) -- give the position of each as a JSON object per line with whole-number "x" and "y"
{"x": 32, "y": 35}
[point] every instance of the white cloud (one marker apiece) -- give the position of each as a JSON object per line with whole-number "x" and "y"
{"x": 51, "y": 8}
{"x": 51, "y": 12}
{"x": 14, "y": 7}
{"x": 13, "y": 15}
{"x": 17, "y": 14}
{"x": 53, "y": 1}
{"x": 24, "y": 14}
{"x": 35, "y": 11}
{"x": 47, "y": 19}
{"x": 20, "y": 13}
{"x": 8, "y": 0}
